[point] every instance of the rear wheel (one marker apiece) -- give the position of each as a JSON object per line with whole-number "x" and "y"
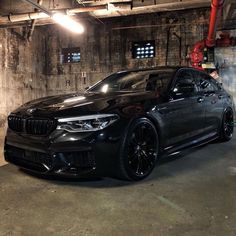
{"x": 227, "y": 127}
{"x": 139, "y": 150}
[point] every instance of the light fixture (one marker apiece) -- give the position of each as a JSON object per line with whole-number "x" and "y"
{"x": 68, "y": 23}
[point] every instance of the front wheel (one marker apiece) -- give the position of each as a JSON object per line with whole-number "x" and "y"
{"x": 139, "y": 150}
{"x": 227, "y": 127}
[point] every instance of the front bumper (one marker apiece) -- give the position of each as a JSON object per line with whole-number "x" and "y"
{"x": 64, "y": 153}
{"x": 64, "y": 163}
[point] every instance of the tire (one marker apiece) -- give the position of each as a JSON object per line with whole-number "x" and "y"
{"x": 139, "y": 151}
{"x": 227, "y": 126}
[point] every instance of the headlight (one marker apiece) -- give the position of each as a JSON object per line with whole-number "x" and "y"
{"x": 87, "y": 123}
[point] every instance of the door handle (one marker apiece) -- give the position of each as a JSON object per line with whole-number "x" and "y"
{"x": 200, "y": 100}
{"x": 209, "y": 93}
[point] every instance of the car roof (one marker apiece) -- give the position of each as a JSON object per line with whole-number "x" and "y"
{"x": 148, "y": 69}
{"x": 159, "y": 68}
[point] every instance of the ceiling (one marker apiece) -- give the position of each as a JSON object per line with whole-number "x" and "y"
{"x": 111, "y": 8}
{"x": 138, "y": 6}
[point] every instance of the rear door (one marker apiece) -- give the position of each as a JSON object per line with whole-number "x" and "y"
{"x": 213, "y": 101}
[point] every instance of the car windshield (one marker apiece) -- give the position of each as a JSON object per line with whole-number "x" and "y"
{"x": 134, "y": 81}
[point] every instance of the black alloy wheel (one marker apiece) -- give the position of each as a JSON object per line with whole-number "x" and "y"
{"x": 139, "y": 152}
{"x": 227, "y": 125}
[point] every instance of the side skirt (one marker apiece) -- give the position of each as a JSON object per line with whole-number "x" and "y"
{"x": 199, "y": 141}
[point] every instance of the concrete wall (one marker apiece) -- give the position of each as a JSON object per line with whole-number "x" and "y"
{"x": 21, "y": 67}
{"x": 225, "y": 58}
{"x": 106, "y": 49}
{"x": 33, "y": 70}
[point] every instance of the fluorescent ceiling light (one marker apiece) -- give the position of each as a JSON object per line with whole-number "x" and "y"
{"x": 68, "y": 23}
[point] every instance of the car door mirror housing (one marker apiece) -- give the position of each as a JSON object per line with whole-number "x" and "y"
{"x": 204, "y": 84}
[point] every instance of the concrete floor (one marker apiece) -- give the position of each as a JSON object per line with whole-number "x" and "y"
{"x": 195, "y": 194}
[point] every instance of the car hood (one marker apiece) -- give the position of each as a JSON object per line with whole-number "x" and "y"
{"x": 83, "y": 104}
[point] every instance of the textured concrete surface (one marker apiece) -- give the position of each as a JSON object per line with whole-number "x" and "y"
{"x": 2, "y": 136}
{"x": 21, "y": 69}
{"x": 192, "y": 195}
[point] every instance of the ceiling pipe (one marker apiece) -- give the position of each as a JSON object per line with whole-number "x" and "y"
{"x": 31, "y": 30}
{"x": 42, "y": 15}
{"x": 23, "y": 17}
{"x": 39, "y": 7}
{"x": 197, "y": 53}
{"x": 216, "y": 6}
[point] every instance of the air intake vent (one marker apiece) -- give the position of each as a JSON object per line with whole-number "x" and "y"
{"x": 32, "y": 126}
{"x": 16, "y": 123}
{"x": 39, "y": 126}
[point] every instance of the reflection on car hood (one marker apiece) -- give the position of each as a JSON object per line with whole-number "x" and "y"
{"x": 81, "y": 104}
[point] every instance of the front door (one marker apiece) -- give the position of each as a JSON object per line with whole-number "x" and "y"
{"x": 184, "y": 112}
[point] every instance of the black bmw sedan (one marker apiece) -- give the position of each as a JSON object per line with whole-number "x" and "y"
{"x": 121, "y": 125}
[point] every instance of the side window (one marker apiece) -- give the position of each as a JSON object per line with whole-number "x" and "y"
{"x": 139, "y": 84}
{"x": 154, "y": 82}
{"x": 206, "y": 84}
{"x": 185, "y": 83}
{"x": 215, "y": 83}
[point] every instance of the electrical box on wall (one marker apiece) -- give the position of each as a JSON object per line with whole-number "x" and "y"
{"x": 71, "y": 55}
{"x": 143, "y": 49}
{"x": 208, "y": 58}
{"x": 209, "y": 55}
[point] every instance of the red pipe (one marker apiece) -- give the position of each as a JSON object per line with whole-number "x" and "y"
{"x": 197, "y": 53}
{"x": 216, "y": 6}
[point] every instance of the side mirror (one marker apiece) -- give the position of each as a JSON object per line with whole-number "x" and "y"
{"x": 204, "y": 84}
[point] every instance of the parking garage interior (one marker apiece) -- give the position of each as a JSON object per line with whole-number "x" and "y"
{"x": 191, "y": 193}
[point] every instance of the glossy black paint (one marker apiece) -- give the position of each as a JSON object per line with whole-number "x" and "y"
{"x": 181, "y": 120}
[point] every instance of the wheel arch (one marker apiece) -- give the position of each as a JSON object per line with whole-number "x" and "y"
{"x": 159, "y": 129}
{"x": 225, "y": 109}
{"x": 222, "y": 135}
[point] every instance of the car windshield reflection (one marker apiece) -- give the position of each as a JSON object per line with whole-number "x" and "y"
{"x": 133, "y": 81}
